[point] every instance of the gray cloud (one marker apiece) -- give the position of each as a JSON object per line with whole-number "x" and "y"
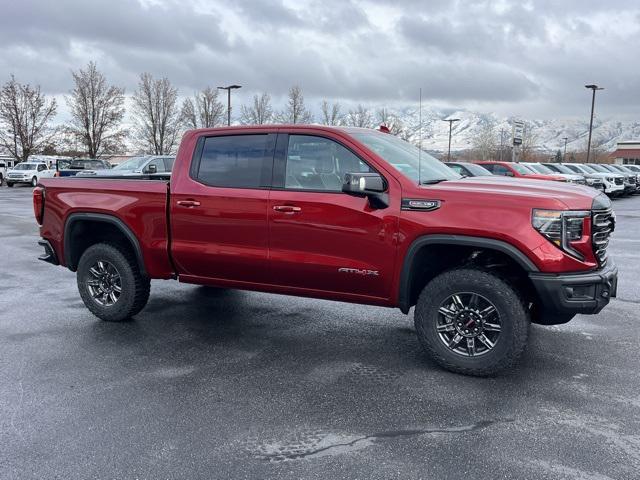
{"x": 528, "y": 58}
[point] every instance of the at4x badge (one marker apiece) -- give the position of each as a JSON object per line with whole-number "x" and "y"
{"x": 420, "y": 204}
{"x": 359, "y": 271}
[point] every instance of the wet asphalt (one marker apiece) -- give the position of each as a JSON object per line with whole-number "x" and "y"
{"x": 228, "y": 384}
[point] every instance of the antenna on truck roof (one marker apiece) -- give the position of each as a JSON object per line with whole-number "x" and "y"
{"x": 420, "y": 138}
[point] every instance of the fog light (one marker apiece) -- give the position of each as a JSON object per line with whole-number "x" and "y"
{"x": 581, "y": 292}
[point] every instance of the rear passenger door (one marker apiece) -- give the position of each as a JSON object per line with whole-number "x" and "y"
{"x": 320, "y": 238}
{"x": 218, "y": 217}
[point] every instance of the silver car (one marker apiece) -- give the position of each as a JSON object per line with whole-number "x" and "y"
{"x": 144, "y": 165}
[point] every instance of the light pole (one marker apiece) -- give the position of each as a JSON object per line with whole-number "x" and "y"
{"x": 228, "y": 89}
{"x": 564, "y": 156}
{"x": 450, "y": 120}
{"x": 593, "y": 102}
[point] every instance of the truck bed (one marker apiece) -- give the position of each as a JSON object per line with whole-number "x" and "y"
{"x": 140, "y": 204}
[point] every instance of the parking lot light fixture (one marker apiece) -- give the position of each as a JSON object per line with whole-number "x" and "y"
{"x": 450, "y": 120}
{"x": 593, "y": 88}
{"x": 228, "y": 89}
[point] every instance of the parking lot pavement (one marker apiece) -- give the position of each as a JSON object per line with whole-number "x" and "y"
{"x": 226, "y": 384}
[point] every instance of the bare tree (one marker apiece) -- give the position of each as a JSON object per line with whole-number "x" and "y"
{"x": 295, "y": 111}
{"x": 204, "y": 110}
{"x": 156, "y": 114}
{"x": 529, "y": 142}
{"x": 259, "y": 113}
{"x": 485, "y": 142}
{"x": 97, "y": 110}
{"x": 360, "y": 117}
{"x": 331, "y": 113}
{"x": 25, "y": 114}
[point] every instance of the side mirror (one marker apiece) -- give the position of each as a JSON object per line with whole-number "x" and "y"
{"x": 152, "y": 169}
{"x": 370, "y": 185}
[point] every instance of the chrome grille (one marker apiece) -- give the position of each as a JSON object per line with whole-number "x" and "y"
{"x": 603, "y": 223}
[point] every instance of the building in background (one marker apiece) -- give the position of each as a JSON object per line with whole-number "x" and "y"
{"x": 627, "y": 153}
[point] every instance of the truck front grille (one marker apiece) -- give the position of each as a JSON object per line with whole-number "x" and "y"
{"x": 619, "y": 181}
{"x": 603, "y": 223}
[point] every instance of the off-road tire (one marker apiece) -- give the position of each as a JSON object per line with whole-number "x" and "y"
{"x": 135, "y": 287}
{"x": 511, "y": 307}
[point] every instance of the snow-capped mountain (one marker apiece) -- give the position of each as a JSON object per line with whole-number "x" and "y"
{"x": 547, "y": 134}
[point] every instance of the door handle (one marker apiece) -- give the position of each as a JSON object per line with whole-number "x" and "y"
{"x": 188, "y": 203}
{"x": 287, "y": 208}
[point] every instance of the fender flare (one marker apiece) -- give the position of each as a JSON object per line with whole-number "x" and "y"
{"x": 100, "y": 217}
{"x": 406, "y": 275}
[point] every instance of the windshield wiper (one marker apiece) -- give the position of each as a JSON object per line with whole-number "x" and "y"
{"x": 433, "y": 181}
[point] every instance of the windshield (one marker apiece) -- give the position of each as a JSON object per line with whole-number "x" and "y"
{"x": 599, "y": 168}
{"x": 521, "y": 169}
{"x": 26, "y": 166}
{"x": 536, "y": 167}
{"x": 63, "y": 164}
{"x": 134, "y": 163}
{"x": 561, "y": 168}
{"x": 477, "y": 170}
{"x": 405, "y": 157}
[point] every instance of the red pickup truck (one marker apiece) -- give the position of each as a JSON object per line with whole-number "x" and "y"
{"x": 344, "y": 214}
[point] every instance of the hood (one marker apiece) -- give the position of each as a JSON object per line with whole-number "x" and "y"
{"x": 543, "y": 176}
{"x": 533, "y": 193}
{"x": 570, "y": 176}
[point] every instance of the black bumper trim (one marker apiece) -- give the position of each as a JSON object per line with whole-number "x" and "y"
{"x": 554, "y": 290}
{"x": 49, "y": 253}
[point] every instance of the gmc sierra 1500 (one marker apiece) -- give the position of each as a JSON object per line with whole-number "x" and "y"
{"x": 344, "y": 214}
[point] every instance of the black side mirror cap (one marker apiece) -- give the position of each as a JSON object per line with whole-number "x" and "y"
{"x": 370, "y": 185}
{"x": 152, "y": 169}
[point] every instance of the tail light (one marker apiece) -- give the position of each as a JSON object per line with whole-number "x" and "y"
{"x": 38, "y": 204}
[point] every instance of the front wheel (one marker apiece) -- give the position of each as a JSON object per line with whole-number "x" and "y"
{"x": 9, "y": 184}
{"x": 472, "y": 321}
{"x": 110, "y": 282}
{"x": 34, "y": 182}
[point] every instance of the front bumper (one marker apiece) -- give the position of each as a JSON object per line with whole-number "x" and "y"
{"x": 19, "y": 180}
{"x": 568, "y": 294}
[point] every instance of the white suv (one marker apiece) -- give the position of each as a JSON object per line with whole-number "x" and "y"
{"x": 3, "y": 171}
{"x": 26, "y": 172}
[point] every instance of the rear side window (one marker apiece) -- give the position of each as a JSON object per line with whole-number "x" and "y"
{"x": 168, "y": 164}
{"x": 236, "y": 161}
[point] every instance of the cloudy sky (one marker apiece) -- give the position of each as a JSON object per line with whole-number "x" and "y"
{"x": 524, "y": 58}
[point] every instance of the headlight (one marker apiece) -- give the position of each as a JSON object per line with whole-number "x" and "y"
{"x": 590, "y": 181}
{"x": 610, "y": 179}
{"x": 562, "y": 228}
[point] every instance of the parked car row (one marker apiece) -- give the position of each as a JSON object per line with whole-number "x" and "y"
{"x": 33, "y": 171}
{"x": 614, "y": 180}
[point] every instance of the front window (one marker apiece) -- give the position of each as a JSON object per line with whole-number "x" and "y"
{"x": 405, "y": 158}
{"x": 134, "y": 163}
{"x": 25, "y": 166}
{"x": 317, "y": 163}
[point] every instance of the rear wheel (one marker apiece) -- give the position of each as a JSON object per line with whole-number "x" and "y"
{"x": 472, "y": 321}
{"x": 110, "y": 282}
